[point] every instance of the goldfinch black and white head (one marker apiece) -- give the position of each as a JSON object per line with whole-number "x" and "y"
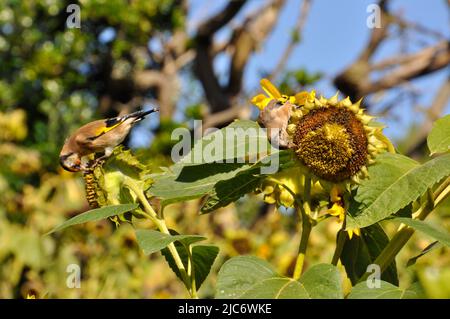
{"x": 97, "y": 137}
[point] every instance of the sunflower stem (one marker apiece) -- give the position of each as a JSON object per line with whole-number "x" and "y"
{"x": 161, "y": 224}
{"x": 305, "y": 211}
{"x": 306, "y": 231}
{"x": 340, "y": 242}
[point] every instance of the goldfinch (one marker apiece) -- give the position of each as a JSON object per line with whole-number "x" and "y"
{"x": 275, "y": 117}
{"x": 97, "y": 137}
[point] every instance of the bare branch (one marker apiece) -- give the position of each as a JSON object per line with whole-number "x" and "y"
{"x": 378, "y": 34}
{"x": 404, "y": 59}
{"x": 425, "y": 62}
{"x": 209, "y": 27}
{"x": 433, "y": 113}
{"x": 253, "y": 31}
{"x": 304, "y": 10}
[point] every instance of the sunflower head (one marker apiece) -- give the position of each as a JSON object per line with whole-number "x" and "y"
{"x": 335, "y": 139}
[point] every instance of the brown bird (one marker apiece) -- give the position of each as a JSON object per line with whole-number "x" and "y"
{"x": 99, "y": 136}
{"x": 275, "y": 118}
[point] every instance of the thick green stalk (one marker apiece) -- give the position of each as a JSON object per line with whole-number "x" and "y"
{"x": 161, "y": 224}
{"x": 340, "y": 241}
{"x": 191, "y": 274}
{"x": 306, "y": 231}
{"x": 305, "y": 211}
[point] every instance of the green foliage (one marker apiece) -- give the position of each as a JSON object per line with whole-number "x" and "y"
{"x": 251, "y": 277}
{"x": 385, "y": 291}
{"x": 361, "y": 251}
{"x": 54, "y": 79}
{"x": 323, "y": 281}
{"x": 427, "y": 229}
{"x": 395, "y": 181}
{"x": 58, "y": 74}
{"x": 439, "y": 138}
{"x": 202, "y": 258}
{"x": 228, "y": 191}
{"x": 95, "y": 215}
{"x": 188, "y": 182}
{"x": 195, "y": 176}
{"x": 427, "y": 249}
{"x": 152, "y": 241}
{"x": 296, "y": 80}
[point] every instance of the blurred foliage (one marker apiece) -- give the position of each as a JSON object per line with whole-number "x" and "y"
{"x": 51, "y": 78}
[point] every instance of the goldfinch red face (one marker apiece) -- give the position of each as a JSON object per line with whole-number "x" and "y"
{"x": 70, "y": 162}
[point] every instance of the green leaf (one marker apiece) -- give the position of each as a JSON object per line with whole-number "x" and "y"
{"x": 426, "y": 250}
{"x": 251, "y": 277}
{"x": 247, "y": 181}
{"x": 239, "y": 274}
{"x": 424, "y": 227}
{"x": 192, "y": 181}
{"x": 151, "y": 241}
{"x": 361, "y": 251}
{"x": 226, "y": 192}
{"x": 95, "y": 214}
{"x": 395, "y": 181}
{"x": 276, "y": 288}
{"x": 194, "y": 176}
{"x": 385, "y": 291}
{"x": 203, "y": 258}
{"x": 439, "y": 138}
{"x": 323, "y": 281}
{"x": 240, "y": 139}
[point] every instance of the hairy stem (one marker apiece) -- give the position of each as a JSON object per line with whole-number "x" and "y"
{"x": 306, "y": 231}
{"x": 305, "y": 211}
{"x": 161, "y": 224}
{"x": 191, "y": 274}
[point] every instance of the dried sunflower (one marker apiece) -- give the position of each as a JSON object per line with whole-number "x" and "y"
{"x": 334, "y": 142}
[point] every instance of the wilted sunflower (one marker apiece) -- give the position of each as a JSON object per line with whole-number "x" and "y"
{"x": 334, "y": 141}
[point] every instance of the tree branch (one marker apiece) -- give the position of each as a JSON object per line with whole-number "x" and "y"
{"x": 419, "y": 64}
{"x": 246, "y": 38}
{"x": 209, "y": 27}
{"x": 297, "y": 31}
{"x": 433, "y": 113}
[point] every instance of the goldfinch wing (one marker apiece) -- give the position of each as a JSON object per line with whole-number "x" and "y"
{"x": 87, "y": 136}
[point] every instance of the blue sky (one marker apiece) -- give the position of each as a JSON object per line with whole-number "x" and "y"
{"x": 334, "y": 34}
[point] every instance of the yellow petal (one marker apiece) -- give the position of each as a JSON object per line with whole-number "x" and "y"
{"x": 386, "y": 141}
{"x": 355, "y": 231}
{"x": 300, "y": 98}
{"x": 338, "y": 211}
{"x": 334, "y": 194}
{"x": 261, "y": 101}
{"x": 270, "y": 89}
{"x": 334, "y": 99}
{"x": 269, "y": 200}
